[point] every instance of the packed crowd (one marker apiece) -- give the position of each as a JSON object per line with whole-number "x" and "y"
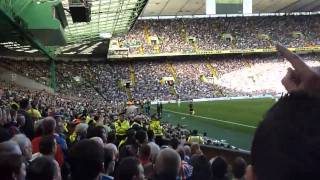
{"x": 45, "y": 137}
{"x": 183, "y": 35}
{"x": 230, "y": 76}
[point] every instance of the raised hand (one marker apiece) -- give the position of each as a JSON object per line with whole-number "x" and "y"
{"x": 302, "y": 77}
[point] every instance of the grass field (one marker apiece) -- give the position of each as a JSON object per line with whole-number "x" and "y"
{"x": 234, "y": 120}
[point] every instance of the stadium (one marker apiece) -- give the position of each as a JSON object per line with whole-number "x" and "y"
{"x": 159, "y": 89}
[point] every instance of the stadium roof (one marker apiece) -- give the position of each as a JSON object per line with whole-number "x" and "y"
{"x": 29, "y": 24}
{"x": 198, "y": 7}
{"x": 107, "y": 16}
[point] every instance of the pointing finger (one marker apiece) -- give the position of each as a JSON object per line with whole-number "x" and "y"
{"x": 302, "y": 69}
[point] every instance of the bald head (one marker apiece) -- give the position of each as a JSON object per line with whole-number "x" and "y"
{"x": 113, "y": 148}
{"x": 10, "y": 147}
{"x": 167, "y": 163}
{"x": 24, "y": 144}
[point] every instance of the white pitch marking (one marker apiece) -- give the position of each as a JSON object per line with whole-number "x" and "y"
{"x": 218, "y": 120}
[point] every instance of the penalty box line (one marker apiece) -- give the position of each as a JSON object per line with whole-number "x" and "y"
{"x": 213, "y": 119}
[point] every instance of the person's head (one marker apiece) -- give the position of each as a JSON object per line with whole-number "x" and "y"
{"x": 24, "y": 104}
{"x": 114, "y": 150}
{"x": 10, "y": 147}
{"x": 127, "y": 151}
{"x": 59, "y": 124}
{"x": 34, "y": 104}
{"x": 25, "y": 145}
{"x": 167, "y": 163}
{"x": 195, "y": 149}
{"x": 145, "y": 152}
{"x": 98, "y": 131}
{"x": 141, "y": 137}
{"x": 187, "y": 150}
{"x": 181, "y": 152}
{"x": 111, "y": 137}
{"x": 239, "y": 166}
{"x": 48, "y": 126}
{"x": 47, "y": 145}
{"x": 174, "y": 143}
{"x": 219, "y": 167}
{"x": 109, "y": 160}
{"x": 41, "y": 168}
{"x": 286, "y": 144}
{"x": 201, "y": 167}
{"x": 130, "y": 168}
{"x": 81, "y": 130}
{"x": 194, "y": 132}
{"x": 12, "y": 167}
{"x": 86, "y": 160}
{"x": 21, "y": 120}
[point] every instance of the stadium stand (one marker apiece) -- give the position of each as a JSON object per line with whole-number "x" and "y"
{"x": 191, "y": 35}
{"x": 99, "y": 122}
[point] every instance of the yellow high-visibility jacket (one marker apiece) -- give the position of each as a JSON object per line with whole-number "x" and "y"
{"x": 156, "y": 127}
{"x": 195, "y": 139}
{"x": 121, "y": 127}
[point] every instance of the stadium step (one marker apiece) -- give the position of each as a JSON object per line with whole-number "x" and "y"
{"x": 132, "y": 75}
{"x": 172, "y": 70}
{"x": 156, "y": 48}
{"x": 147, "y": 34}
{"x": 213, "y": 70}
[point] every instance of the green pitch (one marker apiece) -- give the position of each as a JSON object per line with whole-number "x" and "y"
{"x": 234, "y": 121}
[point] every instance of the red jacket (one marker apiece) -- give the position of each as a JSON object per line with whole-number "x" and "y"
{"x": 58, "y": 156}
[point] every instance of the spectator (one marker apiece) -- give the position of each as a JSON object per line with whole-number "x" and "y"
{"x": 98, "y": 131}
{"x": 10, "y": 147}
{"x": 219, "y": 169}
{"x": 48, "y": 127}
{"x": 42, "y": 168}
{"x": 109, "y": 164}
{"x": 86, "y": 160}
{"x": 141, "y": 137}
{"x": 167, "y": 165}
{"x": 24, "y": 144}
{"x": 12, "y": 167}
{"x": 145, "y": 155}
{"x": 155, "y": 149}
{"x": 195, "y": 149}
{"x": 28, "y": 128}
{"x": 114, "y": 150}
{"x": 201, "y": 167}
{"x": 290, "y": 133}
{"x": 48, "y": 148}
{"x": 130, "y": 169}
{"x": 185, "y": 168}
{"x": 187, "y": 151}
{"x": 239, "y": 166}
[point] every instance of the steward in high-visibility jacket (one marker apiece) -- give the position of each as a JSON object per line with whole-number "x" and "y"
{"x": 156, "y": 127}
{"x": 122, "y": 127}
{"x": 195, "y": 138}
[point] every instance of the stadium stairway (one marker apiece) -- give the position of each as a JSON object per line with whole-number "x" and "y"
{"x": 172, "y": 71}
{"x": 195, "y": 47}
{"x": 156, "y": 48}
{"x": 213, "y": 70}
{"x": 132, "y": 75}
{"x": 147, "y": 34}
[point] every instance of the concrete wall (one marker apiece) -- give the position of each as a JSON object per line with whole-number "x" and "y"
{"x": 15, "y": 78}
